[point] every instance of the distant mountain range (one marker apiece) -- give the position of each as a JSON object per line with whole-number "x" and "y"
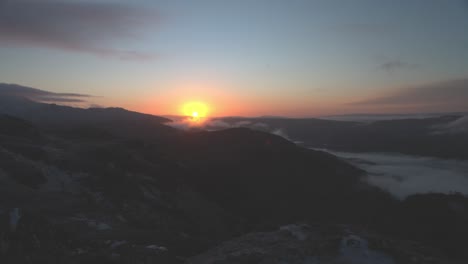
{"x": 380, "y": 117}
{"x": 441, "y": 136}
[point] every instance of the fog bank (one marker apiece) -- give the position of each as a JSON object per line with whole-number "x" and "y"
{"x": 404, "y": 175}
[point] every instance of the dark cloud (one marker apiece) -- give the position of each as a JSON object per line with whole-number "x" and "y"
{"x": 449, "y": 95}
{"x": 13, "y": 90}
{"x": 74, "y": 26}
{"x": 393, "y": 65}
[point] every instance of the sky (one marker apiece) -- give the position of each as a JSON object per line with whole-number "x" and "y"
{"x": 251, "y": 58}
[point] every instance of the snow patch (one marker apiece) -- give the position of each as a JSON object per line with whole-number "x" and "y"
{"x": 57, "y": 180}
{"x": 102, "y": 226}
{"x": 150, "y": 193}
{"x": 155, "y": 247}
{"x": 296, "y": 230}
{"x": 92, "y": 223}
{"x": 15, "y": 216}
{"x": 355, "y": 250}
{"x": 116, "y": 244}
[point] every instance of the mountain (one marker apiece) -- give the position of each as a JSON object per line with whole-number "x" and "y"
{"x": 21, "y": 105}
{"x": 17, "y": 101}
{"x": 442, "y": 136}
{"x": 123, "y": 187}
{"x": 185, "y": 194}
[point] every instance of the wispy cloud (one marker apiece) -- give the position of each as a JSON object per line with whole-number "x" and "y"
{"x": 394, "y": 65}
{"x": 13, "y": 90}
{"x": 448, "y": 95}
{"x": 74, "y": 26}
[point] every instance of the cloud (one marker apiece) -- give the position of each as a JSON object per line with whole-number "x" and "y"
{"x": 458, "y": 126}
{"x": 448, "y": 95}
{"x": 186, "y": 123}
{"x": 393, "y": 65}
{"x": 214, "y": 124}
{"x": 13, "y": 90}
{"x": 210, "y": 124}
{"x": 404, "y": 175}
{"x": 455, "y": 127}
{"x": 280, "y": 132}
{"x": 217, "y": 124}
{"x": 73, "y": 26}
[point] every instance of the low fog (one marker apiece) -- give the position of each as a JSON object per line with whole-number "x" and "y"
{"x": 212, "y": 124}
{"x": 403, "y": 175}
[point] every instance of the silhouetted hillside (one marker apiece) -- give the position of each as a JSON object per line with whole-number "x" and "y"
{"x": 73, "y": 120}
{"x": 16, "y": 100}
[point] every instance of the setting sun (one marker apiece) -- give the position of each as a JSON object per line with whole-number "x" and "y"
{"x": 195, "y": 109}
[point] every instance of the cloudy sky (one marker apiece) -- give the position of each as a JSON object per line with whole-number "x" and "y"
{"x": 263, "y": 57}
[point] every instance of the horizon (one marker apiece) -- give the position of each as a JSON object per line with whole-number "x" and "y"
{"x": 62, "y": 100}
{"x": 268, "y": 58}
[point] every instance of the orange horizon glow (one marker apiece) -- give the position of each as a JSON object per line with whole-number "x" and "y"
{"x": 228, "y": 104}
{"x": 208, "y": 105}
{"x": 200, "y": 99}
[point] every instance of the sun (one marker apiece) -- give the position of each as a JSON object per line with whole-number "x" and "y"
{"x": 195, "y": 110}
